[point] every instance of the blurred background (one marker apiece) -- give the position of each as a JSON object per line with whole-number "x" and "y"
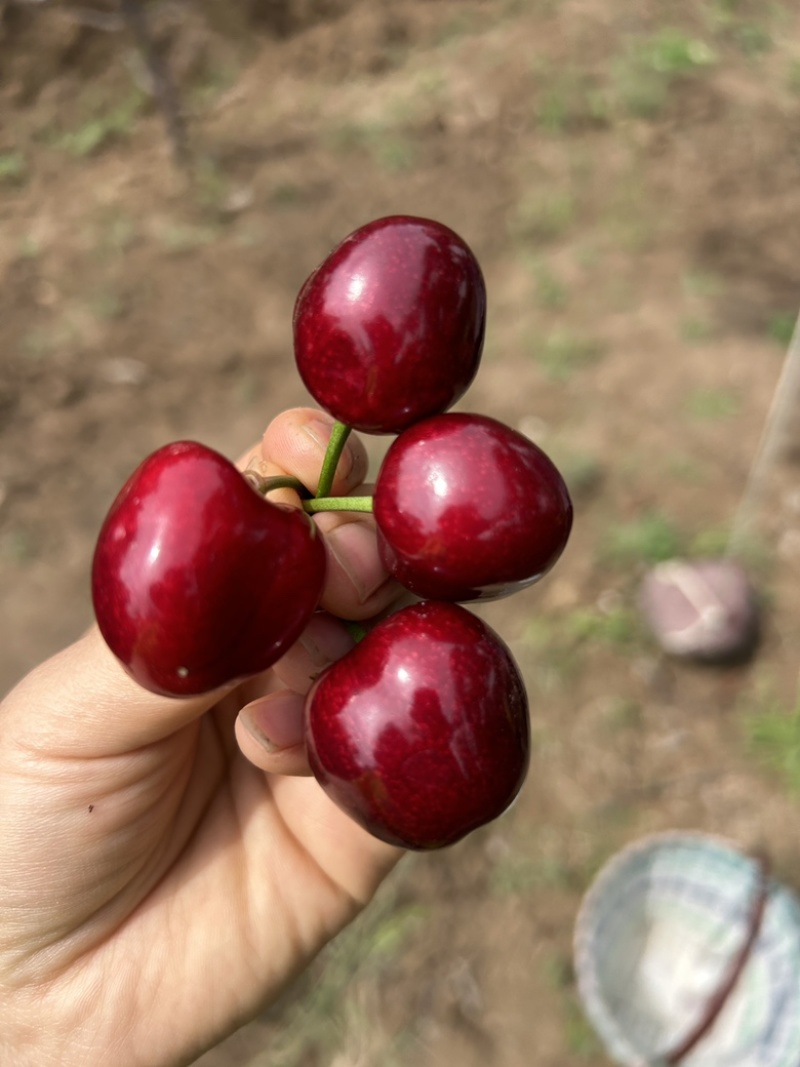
{"x": 626, "y": 172}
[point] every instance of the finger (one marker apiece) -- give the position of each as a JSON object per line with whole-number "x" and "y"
{"x": 270, "y": 733}
{"x": 296, "y": 442}
{"x": 357, "y": 585}
{"x": 82, "y": 703}
{"x": 324, "y": 641}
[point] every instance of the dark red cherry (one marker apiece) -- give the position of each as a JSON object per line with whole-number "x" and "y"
{"x": 198, "y": 581}
{"x": 389, "y": 329}
{"x": 421, "y": 732}
{"x": 467, "y": 508}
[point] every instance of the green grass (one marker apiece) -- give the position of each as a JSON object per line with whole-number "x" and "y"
{"x": 650, "y": 538}
{"x": 781, "y": 327}
{"x": 543, "y": 215}
{"x": 551, "y": 293}
{"x": 696, "y": 329}
{"x": 773, "y": 739}
{"x": 617, "y": 626}
{"x": 328, "y": 1010}
{"x": 100, "y": 130}
{"x": 568, "y": 100}
{"x": 643, "y": 76}
{"x": 582, "y": 471}
{"x": 559, "y": 648}
{"x": 13, "y": 168}
{"x": 712, "y": 404}
{"x": 390, "y": 147}
{"x": 562, "y": 353}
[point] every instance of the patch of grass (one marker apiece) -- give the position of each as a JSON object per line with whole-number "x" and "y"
{"x": 793, "y": 77}
{"x": 643, "y": 77}
{"x": 543, "y": 216}
{"x": 107, "y": 305}
{"x": 651, "y": 538}
{"x": 781, "y": 327}
{"x": 687, "y": 469}
{"x": 568, "y": 100}
{"x": 13, "y": 168}
{"x": 17, "y": 547}
{"x": 388, "y": 145}
{"x": 328, "y": 1014}
{"x": 100, "y": 130}
{"x": 562, "y": 353}
{"x": 559, "y": 647}
{"x": 30, "y": 246}
{"x": 617, "y": 626}
{"x": 579, "y": 1037}
{"x": 712, "y": 404}
{"x": 696, "y": 330}
{"x": 551, "y": 293}
{"x": 753, "y": 39}
{"x": 582, "y": 471}
{"x": 178, "y": 237}
{"x": 773, "y": 739}
{"x": 700, "y": 284}
{"x": 712, "y": 541}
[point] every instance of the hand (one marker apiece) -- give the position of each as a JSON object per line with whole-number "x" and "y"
{"x": 167, "y": 866}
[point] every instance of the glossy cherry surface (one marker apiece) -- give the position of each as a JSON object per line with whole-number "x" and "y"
{"x": 390, "y": 328}
{"x": 467, "y": 508}
{"x": 421, "y": 732}
{"x": 197, "y": 580}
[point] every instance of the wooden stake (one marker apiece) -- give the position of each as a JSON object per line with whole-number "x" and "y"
{"x": 163, "y": 86}
{"x": 774, "y": 442}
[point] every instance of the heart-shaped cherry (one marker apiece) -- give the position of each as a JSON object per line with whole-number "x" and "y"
{"x": 198, "y": 581}
{"x": 468, "y": 508}
{"x": 390, "y": 328}
{"x": 421, "y": 732}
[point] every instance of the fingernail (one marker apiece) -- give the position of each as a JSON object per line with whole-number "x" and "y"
{"x": 353, "y": 547}
{"x": 320, "y": 432}
{"x": 325, "y": 640}
{"x": 275, "y": 721}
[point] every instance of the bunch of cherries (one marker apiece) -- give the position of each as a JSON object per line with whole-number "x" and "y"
{"x": 421, "y": 732}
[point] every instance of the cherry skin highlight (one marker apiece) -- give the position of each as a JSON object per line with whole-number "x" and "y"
{"x": 421, "y": 732}
{"x": 467, "y": 508}
{"x": 198, "y": 581}
{"x": 390, "y": 328}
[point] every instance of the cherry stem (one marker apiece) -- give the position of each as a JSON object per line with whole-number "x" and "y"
{"x": 338, "y": 503}
{"x": 264, "y": 485}
{"x": 355, "y": 629}
{"x": 339, "y": 435}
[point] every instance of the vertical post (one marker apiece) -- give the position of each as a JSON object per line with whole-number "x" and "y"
{"x": 163, "y": 86}
{"x": 774, "y": 442}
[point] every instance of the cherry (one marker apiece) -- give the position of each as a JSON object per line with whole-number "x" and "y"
{"x": 421, "y": 732}
{"x": 468, "y": 508}
{"x": 390, "y": 328}
{"x": 198, "y": 581}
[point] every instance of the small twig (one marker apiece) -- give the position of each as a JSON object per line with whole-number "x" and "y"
{"x": 779, "y": 421}
{"x": 163, "y": 86}
{"x": 719, "y": 998}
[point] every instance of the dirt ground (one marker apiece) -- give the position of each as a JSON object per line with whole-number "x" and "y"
{"x": 629, "y": 183}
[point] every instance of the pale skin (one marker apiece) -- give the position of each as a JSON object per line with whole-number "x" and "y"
{"x": 167, "y": 866}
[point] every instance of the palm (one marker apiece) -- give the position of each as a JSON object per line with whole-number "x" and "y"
{"x": 211, "y": 884}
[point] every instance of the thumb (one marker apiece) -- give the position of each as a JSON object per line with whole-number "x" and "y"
{"x": 81, "y": 703}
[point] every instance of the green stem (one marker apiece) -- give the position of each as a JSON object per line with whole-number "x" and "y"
{"x": 338, "y": 503}
{"x": 339, "y": 435}
{"x": 355, "y": 629}
{"x": 264, "y": 485}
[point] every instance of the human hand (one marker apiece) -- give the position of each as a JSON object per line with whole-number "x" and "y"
{"x": 167, "y": 866}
